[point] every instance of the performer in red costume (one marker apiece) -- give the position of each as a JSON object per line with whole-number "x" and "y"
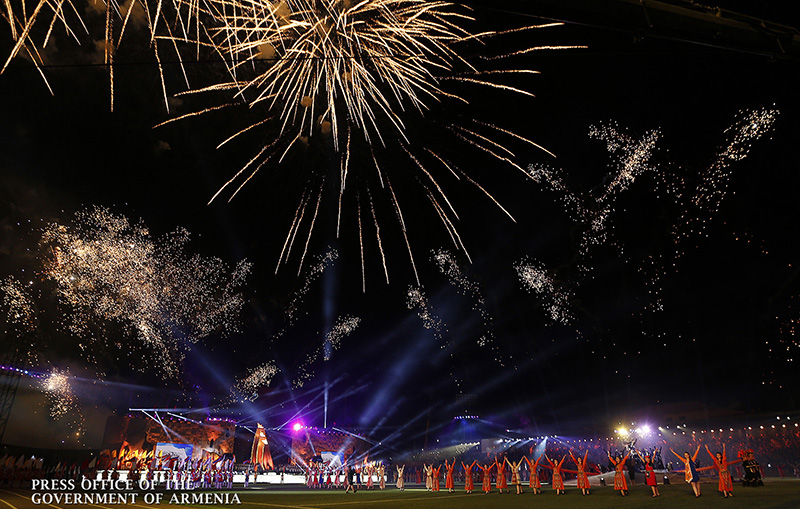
{"x": 649, "y": 474}
{"x": 620, "y": 484}
{"x": 468, "y": 484}
{"x": 721, "y": 464}
{"x": 487, "y": 477}
{"x": 501, "y": 482}
{"x": 534, "y": 482}
{"x": 583, "y": 479}
{"x": 448, "y": 483}
{"x": 558, "y": 482}
{"x": 436, "y": 473}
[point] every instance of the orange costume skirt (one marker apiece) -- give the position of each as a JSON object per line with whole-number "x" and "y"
{"x": 725, "y": 483}
{"x": 583, "y": 481}
{"x": 558, "y": 482}
{"x": 619, "y": 481}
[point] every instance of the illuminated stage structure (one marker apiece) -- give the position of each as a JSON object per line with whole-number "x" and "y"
{"x": 332, "y": 445}
{"x": 137, "y": 435}
{"x": 260, "y": 454}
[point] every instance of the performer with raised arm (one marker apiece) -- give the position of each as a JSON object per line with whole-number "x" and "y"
{"x": 534, "y": 482}
{"x": 516, "y": 478}
{"x": 468, "y": 483}
{"x": 436, "y": 476}
{"x": 401, "y": 484}
{"x": 721, "y": 464}
{"x": 620, "y": 484}
{"x": 690, "y": 469}
{"x": 448, "y": 483}
{"x": 558, "y": 481}
{"x": 486, "y": 484}
{"x": 583, "y": 480}
{"x": 428, "y": 476}
{"x": 649, "y": 473}
{"x": 501, "y": 482}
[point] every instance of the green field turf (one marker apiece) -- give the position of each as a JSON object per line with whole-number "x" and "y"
{"x": 784, "y": 494}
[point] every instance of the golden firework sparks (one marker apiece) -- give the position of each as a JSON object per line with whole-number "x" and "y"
{"x": 108, "y": 270}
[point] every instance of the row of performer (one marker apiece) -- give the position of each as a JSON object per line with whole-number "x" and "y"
{"x": 374, "y": 475}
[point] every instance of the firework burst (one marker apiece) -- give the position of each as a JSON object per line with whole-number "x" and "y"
{"x": 61, "y": 399}
{"x": 108, "y": 270}
{"x": 349, "y": 79}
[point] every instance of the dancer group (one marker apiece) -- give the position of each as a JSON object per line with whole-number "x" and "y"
{"x": 495, "y": 471}
{"x": 498, "y": 467}
{"x": 721, "y": 463}
{"x": 322, "y": 475}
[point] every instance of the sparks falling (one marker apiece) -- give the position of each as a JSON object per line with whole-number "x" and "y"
{"x": 333, "y": 76}
{"x": 332, "y": 341}
{"x": 109, "y": 271}
{"x": 247, "y": 388}
{"x": 19, "y": 305}
{"x": 62, "y": 402}
{"x": 555, "y": 296}
{"x": 448, "y": 265}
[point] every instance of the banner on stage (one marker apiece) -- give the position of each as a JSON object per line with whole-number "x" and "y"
{"x": 180, "y": 451}
{"x": 334, "y": 459}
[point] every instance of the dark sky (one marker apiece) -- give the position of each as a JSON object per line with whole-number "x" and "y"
{"x": 720, "y": 339}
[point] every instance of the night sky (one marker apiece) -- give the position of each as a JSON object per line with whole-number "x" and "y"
{"x": 721, "y": 336}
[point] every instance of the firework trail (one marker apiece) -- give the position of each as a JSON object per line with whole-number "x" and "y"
{"x": 699, "y": 203}
{"x": 322, "y": 262}
{"x": 591, "y": 211}
{"x": 416, "y": 299}
{"x": 632, "y": 156}
{"x": 332, "y": 341}
{"x": 246, "y": 388}
{"x": 108, "y": 270}
{"x": 448, "y": 265}
{"x": 749, "y": 126}
{"x": 32, "y": 26}
{"x": 555, "y": 296}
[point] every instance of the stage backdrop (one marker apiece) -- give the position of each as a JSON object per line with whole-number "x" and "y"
{"x": 143, "y": 434}
{"x": 308, "y": 443}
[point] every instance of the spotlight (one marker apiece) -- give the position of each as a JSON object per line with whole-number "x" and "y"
{"x": 297, "y": 426}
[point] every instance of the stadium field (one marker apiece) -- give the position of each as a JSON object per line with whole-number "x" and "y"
{"x": 783, "y": 494}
